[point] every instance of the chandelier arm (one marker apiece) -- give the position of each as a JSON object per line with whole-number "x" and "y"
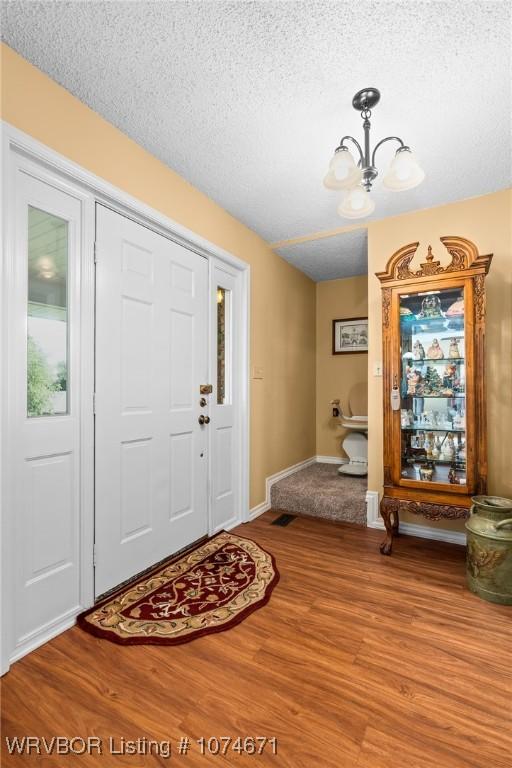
{"x": 351, "y": 138}
{"x": 383, "y": 141}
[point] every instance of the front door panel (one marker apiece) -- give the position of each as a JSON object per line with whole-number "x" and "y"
{"x": 45, "y": 402}
{"x": 151, "y": 357}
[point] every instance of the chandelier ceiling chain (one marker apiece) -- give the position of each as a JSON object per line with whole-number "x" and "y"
{"x": 357, "y": 179}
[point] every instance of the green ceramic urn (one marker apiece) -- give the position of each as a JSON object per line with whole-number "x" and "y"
{"x": 489, "y": 550}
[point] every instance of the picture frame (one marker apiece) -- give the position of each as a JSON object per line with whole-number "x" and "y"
{"x": 350, "y": 336}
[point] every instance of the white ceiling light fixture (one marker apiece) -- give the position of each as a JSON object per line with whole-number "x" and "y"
{"x": 356, "y": 204}
{"x": 343, "y": 173}
{"x": 356, "y": 180}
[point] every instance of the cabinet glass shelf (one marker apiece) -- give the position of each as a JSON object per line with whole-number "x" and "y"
{"x": 423, "y": 459}
{"x": 428, "y": 361}
{"x": 437, "y": 397}
{"x": 426, "y": 428}
{"x": 441, "y": 475}
{"x": 437, "y": 323}
{"x": 432, "y": 352}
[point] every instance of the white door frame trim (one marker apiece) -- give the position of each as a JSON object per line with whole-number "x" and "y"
{"x": 19, "y": 148}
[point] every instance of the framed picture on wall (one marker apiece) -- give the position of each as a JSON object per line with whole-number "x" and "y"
{"x": 350, "y": 336}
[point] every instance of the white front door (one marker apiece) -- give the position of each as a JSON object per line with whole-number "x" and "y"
{"x": 225, "y": 433}
{"x": 44, "y": 401}
{"x": 151, "y": 358}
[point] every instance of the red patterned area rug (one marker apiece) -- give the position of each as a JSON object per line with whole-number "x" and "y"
{"x": 208, "y": 589}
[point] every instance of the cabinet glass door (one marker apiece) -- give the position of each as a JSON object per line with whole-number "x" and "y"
{"x": 433, "y": 387}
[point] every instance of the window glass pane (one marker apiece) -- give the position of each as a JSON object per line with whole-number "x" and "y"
{"x": 223, "y": 345}
{"x": 433, "y": 387}
{"x": 47, "y": 322}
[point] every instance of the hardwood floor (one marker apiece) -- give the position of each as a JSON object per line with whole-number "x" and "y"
{"x": 358, "y": 661}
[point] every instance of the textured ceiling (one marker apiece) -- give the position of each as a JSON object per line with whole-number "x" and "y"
{"x": 343, "y": 255}
{"x": 248, "y": 99}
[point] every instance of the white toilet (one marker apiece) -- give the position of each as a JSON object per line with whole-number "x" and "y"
{"x": 355, "y": 443}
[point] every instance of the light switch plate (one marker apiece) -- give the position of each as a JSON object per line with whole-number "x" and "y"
{"x": 257, "y": 372}
{"x": 377, "y": 369}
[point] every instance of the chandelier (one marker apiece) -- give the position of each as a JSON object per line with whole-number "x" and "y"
{"x": 356, "y": 180}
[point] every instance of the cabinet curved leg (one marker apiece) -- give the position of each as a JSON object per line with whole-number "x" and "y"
{"x": 389, "y": 513}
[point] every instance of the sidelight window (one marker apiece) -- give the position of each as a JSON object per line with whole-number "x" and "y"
{"x": 223, "y": 346}
{"x": 47, "y": 314}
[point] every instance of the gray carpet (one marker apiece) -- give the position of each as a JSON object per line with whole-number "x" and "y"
{"x": 319, "y": 491}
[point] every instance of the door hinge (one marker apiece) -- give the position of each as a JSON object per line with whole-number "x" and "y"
{"x": 94, "y": 555}
{"x": 95, "y": 252}
{"x": 94, "y": 403}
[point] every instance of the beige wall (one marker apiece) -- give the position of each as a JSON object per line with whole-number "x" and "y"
{"x": 283, "y": 299}
{"x": 487, "y": 222}
{"x": 338, "y": 376}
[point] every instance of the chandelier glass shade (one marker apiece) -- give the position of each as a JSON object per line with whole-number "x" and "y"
{"x": 356, "y": 178}
{"x": 404, "y": 171}
{"x": 343, "y": 172}
{"x": 356, "y": 203}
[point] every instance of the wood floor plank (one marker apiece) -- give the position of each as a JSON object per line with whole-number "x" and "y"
{"x": 386, "y": 748}
{"x": 358, "y": 661}
{"x": 421, "y": 664}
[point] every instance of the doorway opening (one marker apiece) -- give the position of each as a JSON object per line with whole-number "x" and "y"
{"x": 334, "y": 485}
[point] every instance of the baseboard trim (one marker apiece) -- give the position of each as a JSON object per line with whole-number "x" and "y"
{"x": 372, "y": 509}
{"x": 46, "y": 633}
{"x": 259, "y": 509}
{"x": 424, "y": 532}
{"x": 331, "y": 460}
{"x": 373, "y": 520}
{"x": 228, "y": 526}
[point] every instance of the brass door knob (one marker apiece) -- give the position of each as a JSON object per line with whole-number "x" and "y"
{"x": 204, "y": 419}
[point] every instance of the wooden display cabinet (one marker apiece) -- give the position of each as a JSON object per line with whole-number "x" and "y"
{"x": 433, "y": 327}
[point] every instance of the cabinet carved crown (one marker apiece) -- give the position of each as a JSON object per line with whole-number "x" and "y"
{"x": 464, "y": 255}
